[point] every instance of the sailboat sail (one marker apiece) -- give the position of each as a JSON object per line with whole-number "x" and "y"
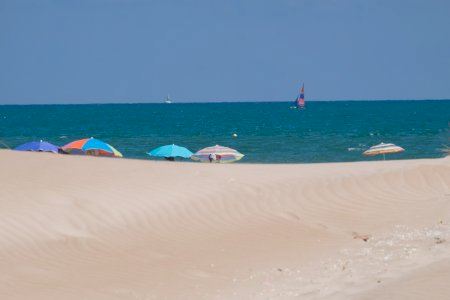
{"x": 300, "y": 100}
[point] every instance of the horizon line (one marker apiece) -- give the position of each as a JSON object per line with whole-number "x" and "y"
{"x": 222, "y": 101}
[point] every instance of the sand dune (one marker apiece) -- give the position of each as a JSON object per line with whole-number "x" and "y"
{"x": 100, "y": 228}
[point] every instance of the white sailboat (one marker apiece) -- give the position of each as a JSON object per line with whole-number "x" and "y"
{"x": 168, "y": 101}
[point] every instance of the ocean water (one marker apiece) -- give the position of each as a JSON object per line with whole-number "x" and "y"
{"x": 267, "y": 132}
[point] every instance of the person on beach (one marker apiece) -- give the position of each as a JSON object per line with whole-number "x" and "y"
{"x": 170, "y": 158}
{"x": 212, "y": 157}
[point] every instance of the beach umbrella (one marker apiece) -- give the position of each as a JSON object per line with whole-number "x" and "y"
{"x": 218, "y": 154}
{"x": 91, "y": 146}
{"x": 170, "y": 151}
{"x": 446, "y": 150}
{"x": 40, "y": 146}
{"x": 383, "y": 149}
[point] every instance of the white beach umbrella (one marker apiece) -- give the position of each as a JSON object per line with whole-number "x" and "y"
{"x": 446, "y": 150}
{"x": 217, "y": 154}
{"x": 383, "y": 149}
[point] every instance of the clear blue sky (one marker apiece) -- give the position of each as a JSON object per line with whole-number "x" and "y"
{"x": 83, "y": 51}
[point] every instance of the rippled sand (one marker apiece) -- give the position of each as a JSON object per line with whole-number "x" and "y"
{"x": 99, "y": 228}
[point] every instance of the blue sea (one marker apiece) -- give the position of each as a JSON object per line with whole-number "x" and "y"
{"x": 268, "y": 132}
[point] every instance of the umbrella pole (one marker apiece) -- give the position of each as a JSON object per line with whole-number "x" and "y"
{"x": 384, "y": 156}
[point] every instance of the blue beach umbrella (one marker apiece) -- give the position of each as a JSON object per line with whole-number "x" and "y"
{"x": 171, "y": 151}
{"x": 40, "y": 146}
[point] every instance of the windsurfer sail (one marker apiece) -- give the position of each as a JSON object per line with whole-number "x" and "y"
{"x": 300, "y": 100}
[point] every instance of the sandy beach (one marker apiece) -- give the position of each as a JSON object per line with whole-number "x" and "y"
{"x": 77, "y": 227}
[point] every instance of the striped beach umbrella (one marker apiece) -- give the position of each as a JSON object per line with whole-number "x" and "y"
{"x": 383, "y": 149}
{"x": 91, "y": 146}
{"x": 217, "y": 154}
